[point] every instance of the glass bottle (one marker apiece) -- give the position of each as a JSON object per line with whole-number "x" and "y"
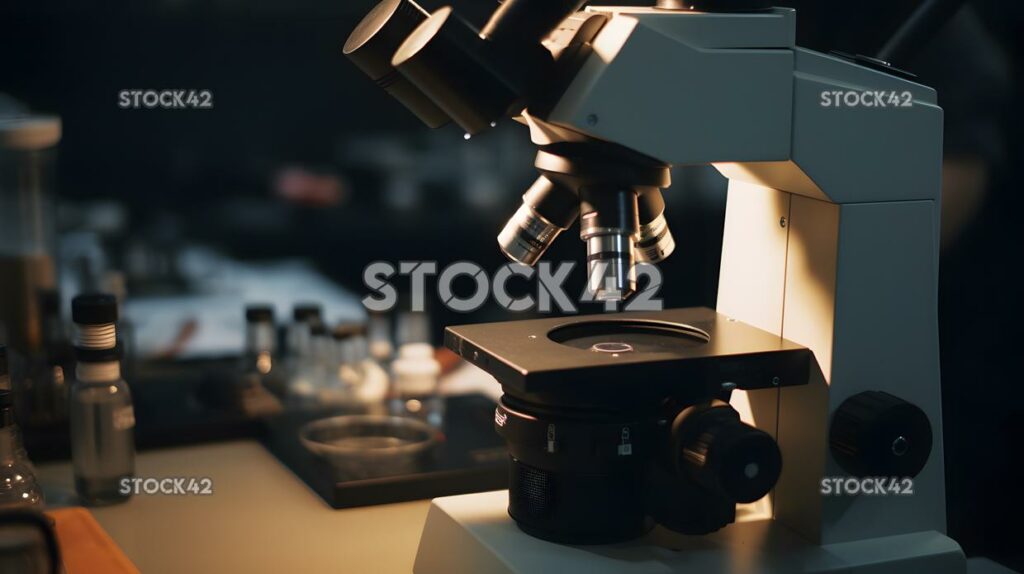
{"x": 19, "y": 488}
{"x": 102, "y": 418}
{"x": 50, "y": 371}
{"x": 415, "y": 384}
{"x": 300, "y": 362}
{"x": 260, "y": 371}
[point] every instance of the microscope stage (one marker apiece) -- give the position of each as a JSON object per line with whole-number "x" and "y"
{"x": 651, "y": 352}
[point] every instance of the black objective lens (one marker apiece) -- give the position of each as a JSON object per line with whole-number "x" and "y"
{"x": 609, "y": 224}
{"x": 654, "y": 243}
{"x": 548, "y": 209}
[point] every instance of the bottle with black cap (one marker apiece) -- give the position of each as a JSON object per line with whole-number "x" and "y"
{"x": 310, "y": 370}
{"x": 102, "y": 418}
{"x": 260, "y": 368}
{"x": 298, "y": 343}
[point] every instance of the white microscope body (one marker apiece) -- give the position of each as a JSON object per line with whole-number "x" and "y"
{"x": 831, "y": 241}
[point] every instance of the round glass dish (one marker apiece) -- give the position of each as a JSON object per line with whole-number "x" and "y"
{"x": 368, "y": 446}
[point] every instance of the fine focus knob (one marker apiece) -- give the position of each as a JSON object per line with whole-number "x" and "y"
{"x": 725, "y": 455}
{"x": 877, "y": 434}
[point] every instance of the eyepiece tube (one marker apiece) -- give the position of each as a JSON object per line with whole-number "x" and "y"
{"x": 655, "y": 242}
{"x": 373, "y": 43}
{"x": 608, "y": 224}
{"x": 548, "y": 209}
{"x": 528, "y": 21}
{"x": 446, "y": 58}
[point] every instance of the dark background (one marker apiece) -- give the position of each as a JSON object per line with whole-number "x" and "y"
{"x": 284, "y": 96}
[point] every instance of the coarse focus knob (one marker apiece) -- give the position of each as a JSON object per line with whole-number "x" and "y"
{"x": 877, "y": 434}
{"x": 725, "y": 455}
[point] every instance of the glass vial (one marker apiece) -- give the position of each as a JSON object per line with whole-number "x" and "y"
{"x": 300, "y": 364}
{"x": 102, "y": 418}
{"x": 260, "y": 370}
{"x": 415, "y": 384}
{"x": 19, "y": 488}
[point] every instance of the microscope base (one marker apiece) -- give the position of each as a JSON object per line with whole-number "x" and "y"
{"x": 473, "y": 533}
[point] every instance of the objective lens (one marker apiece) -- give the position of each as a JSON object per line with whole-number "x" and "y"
{"x": 608, "y": 225}
{"x": 548, "y": 209}
{"x": 655, "y": 242}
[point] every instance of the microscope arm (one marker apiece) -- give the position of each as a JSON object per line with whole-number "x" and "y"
{"x": 733, "y": 90}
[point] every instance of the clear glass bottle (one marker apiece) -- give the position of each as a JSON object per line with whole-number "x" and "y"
{"x": 415, "y": 384}
{"x": 19, "y": 488}
{"x": 50, "y": 371}
{"x": 260, "y": 372}
{"x": 300, "y": 365}
{"x": 378, "y": 334}
{"x": 102, "y": 417}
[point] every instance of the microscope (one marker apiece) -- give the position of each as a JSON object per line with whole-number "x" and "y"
{"x": 698, "y": 440}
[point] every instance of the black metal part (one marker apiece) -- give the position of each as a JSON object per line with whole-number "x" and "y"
{"x": 679, "y": 505}
{"x": 469, "y": 459}
{"x": 582, "y": 164}
{"x": 4, "y": 361}
{"x": 876, "y": 434}
{"x": 530, "y": 364}
{"x": 372, "y": 45}
{"x": 577, "y": 478}
{"x": 609, "y": 208}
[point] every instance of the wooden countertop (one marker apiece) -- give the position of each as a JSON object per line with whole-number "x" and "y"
{"x": 259, "y": 518}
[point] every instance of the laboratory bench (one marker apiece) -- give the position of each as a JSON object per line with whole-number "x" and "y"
{"x": 259, "y": 517}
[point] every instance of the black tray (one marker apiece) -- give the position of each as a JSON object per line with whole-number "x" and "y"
{"x": 471, "y": 458}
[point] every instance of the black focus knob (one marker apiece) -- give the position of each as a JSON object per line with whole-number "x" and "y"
{"x": 878, "y": 434}
{"x": 725, "y": 455}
